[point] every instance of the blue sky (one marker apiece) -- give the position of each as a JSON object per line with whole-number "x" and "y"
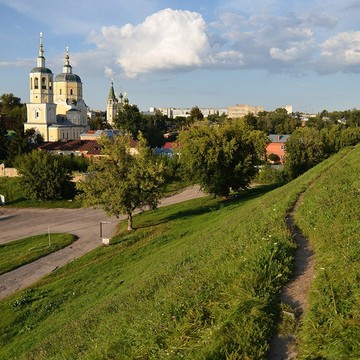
{"x": 204, "y": 53}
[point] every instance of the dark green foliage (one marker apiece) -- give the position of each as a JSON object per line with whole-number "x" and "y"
{"x": 3, "y": 142}
{"x": 273, "y": 157}
{"x": 75, "y": 163}
{"x": 304, "y": 149}
{"x": 43, "y": 175}
{"x": 129, "y": 120}
{"x": 223, "y": 158}
{"x": 275, "y": 122}
{"x": 270, "y": 175}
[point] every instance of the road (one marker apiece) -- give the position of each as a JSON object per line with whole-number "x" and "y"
{"x": 19, "y": 223}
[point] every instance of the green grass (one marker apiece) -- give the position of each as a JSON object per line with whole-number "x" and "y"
{"x": 20, "y": 252}
{"x": 330, "y": 218}
{"x": 10, "y": 187}
{"x": 197, "y": 280}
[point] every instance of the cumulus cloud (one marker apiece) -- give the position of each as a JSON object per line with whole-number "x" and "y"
{"x": 297, "y": 51}
{"x": 168, "y": 39}
{"x": 340, "y": 52}
{"x": 178, "y": 40}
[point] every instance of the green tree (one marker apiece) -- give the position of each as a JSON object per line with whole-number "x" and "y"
{"x": 224, "y": 158}
{"x": 195, "y": 116}
{"x": 8, "y": 102}
{"x": 121, "y": 182}
{"x": 3, "y": 142}
{"x": 304, "y": 149}
{"x": 129, "y": 120}
{"x": 43, "y": 175}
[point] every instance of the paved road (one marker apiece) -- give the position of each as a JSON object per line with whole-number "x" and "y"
{"x": 20, "y": 223}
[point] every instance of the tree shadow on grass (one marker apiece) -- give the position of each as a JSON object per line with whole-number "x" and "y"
{"x": 237, "y": 199}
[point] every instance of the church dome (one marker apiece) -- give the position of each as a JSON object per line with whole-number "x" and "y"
{"x": 68, "y": 78}
{"x": 67, "y": 75}
{"x": 42, "y": 70}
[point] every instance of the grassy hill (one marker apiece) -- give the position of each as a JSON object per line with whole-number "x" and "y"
{"x": 197, "y": 280}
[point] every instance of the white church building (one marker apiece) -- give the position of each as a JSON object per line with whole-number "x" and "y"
{"x": 56, "y": 109}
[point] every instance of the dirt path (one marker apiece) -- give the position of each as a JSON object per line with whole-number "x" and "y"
{"x": 19, "y": 223}
{"x": 294, "y": 293}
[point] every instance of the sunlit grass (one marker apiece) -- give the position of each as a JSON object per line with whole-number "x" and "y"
{"x": 20, "y": 252}
{"x": 330, "y": 217}
{"x": 197, "y": 280}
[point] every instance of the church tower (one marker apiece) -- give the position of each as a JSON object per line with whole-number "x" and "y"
{"x": 68, "y": 93}
{"x": 41, "y": 110}
{"x": 111, "y": 106}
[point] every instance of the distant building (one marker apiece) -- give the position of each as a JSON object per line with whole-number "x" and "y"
{"x": 240, "y": 110}
{"x": 173, "y": 113}
{"x": 276, "y": 146}
{"x": 56, "y": 109}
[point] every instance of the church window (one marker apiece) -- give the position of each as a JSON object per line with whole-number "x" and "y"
{"x": 31, "y": 84}
{"x": 50, "y": 85}
{"x": 37, "y": 114}
{"x": 60, "y": 91}
{"x": 36, "y": 83}
{"x": 43, "y": 83}
{"x": 71, "y": 91}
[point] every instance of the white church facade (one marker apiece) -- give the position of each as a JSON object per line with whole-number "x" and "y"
{"x": 56, "y": 109}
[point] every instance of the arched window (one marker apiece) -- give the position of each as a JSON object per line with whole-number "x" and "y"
{"x": 50, "y": 85}
{"x": 36, "y": 83}
{"x": 60, "y": 91}
{"x": 37, "y": 113}
{"x": 43, "y": 83}
{"x": 71, "y": 91}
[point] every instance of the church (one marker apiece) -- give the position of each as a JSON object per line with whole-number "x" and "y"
{"x": 56, "y": 109}
{"x": 114, "y": 105}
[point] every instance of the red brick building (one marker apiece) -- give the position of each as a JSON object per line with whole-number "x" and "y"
{"x": 276, "y": 146}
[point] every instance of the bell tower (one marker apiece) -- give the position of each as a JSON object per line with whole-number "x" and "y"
{"x": 41, "y": 110}
{"x": 111, "y": 106}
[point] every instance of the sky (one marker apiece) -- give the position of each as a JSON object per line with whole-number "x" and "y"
{"x": 205, "y": 53}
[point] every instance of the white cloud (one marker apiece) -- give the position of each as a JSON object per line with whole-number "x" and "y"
{"x": 340, "y": 52}
{"x": 296, "y": 51}
{"x": 168, "y": 39}
{"x": 109, "y": 73}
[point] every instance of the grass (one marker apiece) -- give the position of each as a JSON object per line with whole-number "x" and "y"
{"x": 10, "y": 187}
{"x": 197, "y": 280}
{"x": 330, "y": 217}
{"x": 20, "y": 252}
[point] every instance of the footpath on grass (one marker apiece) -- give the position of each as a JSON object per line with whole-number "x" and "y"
{"x": 84, "y": 223}
{"x": 283, "y": 346}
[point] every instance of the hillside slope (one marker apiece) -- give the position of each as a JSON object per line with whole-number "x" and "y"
{"x": 329, "y": 216}
{"x": 196, "y": 280}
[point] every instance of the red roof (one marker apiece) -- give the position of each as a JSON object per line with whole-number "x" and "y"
{"x": 72, "y": 145}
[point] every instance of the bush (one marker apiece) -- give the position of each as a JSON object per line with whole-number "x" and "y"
{"x": 43, "y": 175}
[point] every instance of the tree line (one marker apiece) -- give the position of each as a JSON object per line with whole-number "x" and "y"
{"x": 221, "y": 155}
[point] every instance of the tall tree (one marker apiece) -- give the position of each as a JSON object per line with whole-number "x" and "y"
{"x": 304, "y": 149}
{"x": 223, "y": 158}
{"x": 129, "y": 120}
{"x": 195, "y": 115}
{"x": 121, "y": 182}
{"x": 9, "y": 102}
{"x": 3, "y": 141}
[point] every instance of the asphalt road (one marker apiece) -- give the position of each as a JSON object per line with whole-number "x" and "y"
{"x": 19, "y": 223}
